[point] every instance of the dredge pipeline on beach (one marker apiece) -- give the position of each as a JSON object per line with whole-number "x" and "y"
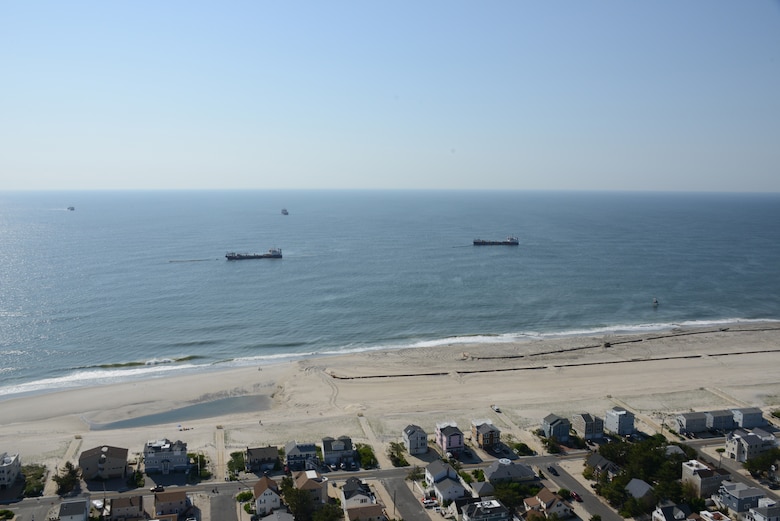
{"x": 604, "y": 345}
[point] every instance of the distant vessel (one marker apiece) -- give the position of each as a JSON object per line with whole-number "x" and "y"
{"x": 285, "y": 212}
{"x": 509, "y": 241}
{"x": 71, "y": 208}
{"x": 273, "y": 253}
{"x": 655, "y": 302}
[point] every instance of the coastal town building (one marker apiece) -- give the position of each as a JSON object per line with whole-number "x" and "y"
{"x": 738, "y": 497}
{"x": 641, "y": 490}
{"x": 415, "y": 439}
{"x": 748, "y": 417}
{"x": 489, "y": 510}
{"x": 548, "y": 504}
{"x": 722, "y": 420}
{"x": 504, "y": 470}
{"x": 103, "y": 462}
{"x": 556, "y": 427}
{"x": 10, "y": 468}
{"x": 487, "y": 435}
{"x": 312, "y": 482}
{"x": 366, "y": 513}
{"x": 449, "y": 438}
{"x": 742, "y": 445}
{"x": 706, "y": 515}
{"x": 671, "y": 512}
{"x": 691, "y": 422}
{"x": 356, "y": 493}
{"x": 300, "y": 456}
{"x": 267, "y": 496}
{"x": 443, "y": 480}
{"x": 600, "y": 465}
{"x": 587, "y": 426}
{"x": 74, "y": 511}
{"x": 260, "y": 459}
{"x": 126, "y": 508}
{"x": 768, "y": 512}
{"x": 170, "y": 502}
{"x": 164, "y": 457}
{"x": 338, "y": 452}
{"x": 618, "y": 420}
{"x": 705, "y": 480}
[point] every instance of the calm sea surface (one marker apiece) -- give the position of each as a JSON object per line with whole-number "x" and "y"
{"x": 135, "y": 284}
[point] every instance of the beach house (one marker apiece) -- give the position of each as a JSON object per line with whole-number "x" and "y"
{"x": 164, "y": 456}
{"x": 548, "y": 503}
{"x": 748, "y": 417}
{"x": 366, "y": 513}
{"x": 312, "y": 482}
{"x": 764, "y": 512}
{"x": 705, "y": 480}
{"x": 556, "y": 427}
{"x": 300, "y": 456}
{"x": 338, "y": 452}
{"x": 691, "y": 422}
{"x": 587, "y": 426}
{"x": 415, "y": 439}
{"x": 126, "y": 508}
{"x": 260, "y": 459}
{"x": 10, "y": 468}
{"x": 507, "y": 471}
{"x": 74, "y": 511}
{"x": 487, "y": 435}
{"x": 267, "y": 496}
{"x": 722, "y": 420}
{"x": 170, "y": 502}
{"x": 488, "y": 510}
{"x": 618, "y": 420}
{"x": 742, "y": 445}
{"x": 104, "y": 462}
{"x": 670, "y": 511}
{"x": 356, "y": 493}
{"x": 449, "y": 438}
{"x": 444, "y": 481}
{"x": 738, "y": 497}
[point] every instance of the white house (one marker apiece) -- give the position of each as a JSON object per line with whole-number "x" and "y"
{"x": 164, "y": 456}
{"x": 10, "y": 467}
{"x": 415, "y": 439}
{"x": 267, "y": 497}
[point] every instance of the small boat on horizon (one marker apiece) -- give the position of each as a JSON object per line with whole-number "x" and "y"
{"x": 285, "y": 212}
{"x": 273, "y": 253}
{"x": 71, "y": 208}
{"x": 509, "y": 241}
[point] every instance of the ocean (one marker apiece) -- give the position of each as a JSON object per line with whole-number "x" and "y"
{"x": 134, "y": 285}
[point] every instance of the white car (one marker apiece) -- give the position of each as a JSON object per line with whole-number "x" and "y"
{"x": 495, "y": 408}
{"x": 428, "y": 502}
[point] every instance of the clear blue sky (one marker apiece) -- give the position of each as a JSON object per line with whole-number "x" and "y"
{"x": 582, "y": 95}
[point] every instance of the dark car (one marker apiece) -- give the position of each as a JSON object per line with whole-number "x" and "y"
{"x": 576, "y": 496}
{"x": 552, "y": 470}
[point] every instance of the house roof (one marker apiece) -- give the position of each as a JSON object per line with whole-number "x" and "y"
{"x": 597, "y": 461}
{"x": 170, "y": 496}
{"x": 498, "y": 471}
{"x": 484, "y": 428}
{"x": 412, "y": 429}
{"x": 491, "y": 507}
{"x": 263, "y": 484}
{"x": 586, "y": 417}
{"x": 73, "y": 508}
{"x": 354, "y": 487}
{"x": 450, "y": 430}
{"x": 262, "y": 453}
{"x": 296, "y": 449}
{"x": 107, "y": 450}
{"x": 638, "y": 489}
{"x": 552, "y": 418}
{"x": 127, "y": 502}
{"x": 720, "y": 414}
{"x": 279, "y": 515}
{"x": 437, "y": 467}
{"x": 482, "y": 488}
{"x": 365, "y": 512}
{"x": 693, "y": 416}
{"x": 675, "y": 512}
{"x": 308, "y": 480}
{"x": 447, "y": 484}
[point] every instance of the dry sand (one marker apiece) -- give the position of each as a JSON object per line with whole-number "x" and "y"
{"x": 372, "y": 396}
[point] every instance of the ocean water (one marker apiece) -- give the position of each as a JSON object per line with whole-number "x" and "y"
{"x": 135, "y": 284}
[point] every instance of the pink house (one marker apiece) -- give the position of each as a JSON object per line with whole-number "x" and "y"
{"x": 449, "y": 438}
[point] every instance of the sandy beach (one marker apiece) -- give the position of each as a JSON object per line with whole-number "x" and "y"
{"x": 371, "y": 396}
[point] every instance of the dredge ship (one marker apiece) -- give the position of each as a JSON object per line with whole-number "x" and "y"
{"x": 273, "y": 253}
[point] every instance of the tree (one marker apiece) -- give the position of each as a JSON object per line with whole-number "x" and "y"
{"x": 69, "y": 480}
{"x": 415, "y": 474}
{"x": 367, "y": 457}
{"x": 328, "y": 512}
{"x": 300, "y": 503}
{"x": 395, "y": 451}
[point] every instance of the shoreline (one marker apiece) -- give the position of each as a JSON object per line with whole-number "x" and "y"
{"x": 171, "y": 370}
{"x": 372, "y": 395}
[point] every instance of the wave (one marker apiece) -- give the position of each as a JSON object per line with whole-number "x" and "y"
{"x": 91, "y": 377}
{"x": 123, "y": 371}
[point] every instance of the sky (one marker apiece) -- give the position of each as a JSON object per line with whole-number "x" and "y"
{"x": 666, "y": 95}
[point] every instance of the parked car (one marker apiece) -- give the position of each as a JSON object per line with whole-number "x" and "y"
{"x": 428, "y": 502}
{"x": 576, "y": 496}
{"x": 157, "y": 488}
{"x": 552, "y": 470}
